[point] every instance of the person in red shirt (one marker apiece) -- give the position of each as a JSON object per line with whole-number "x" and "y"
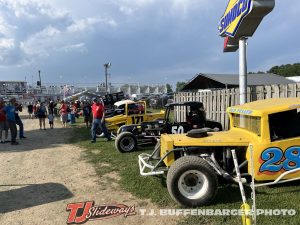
{"x": 63, "y": 113}
{"x": 98, "y": 111}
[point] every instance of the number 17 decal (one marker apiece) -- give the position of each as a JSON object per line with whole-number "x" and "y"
{"x": 275, "y": 159}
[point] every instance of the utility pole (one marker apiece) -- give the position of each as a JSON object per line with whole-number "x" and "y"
{"x": 106, "y": 66}
{"x": 40, "y": 81}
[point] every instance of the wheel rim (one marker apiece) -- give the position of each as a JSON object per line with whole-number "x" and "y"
{"x": 127, "y": 144}
{"x": 193, "y": 184}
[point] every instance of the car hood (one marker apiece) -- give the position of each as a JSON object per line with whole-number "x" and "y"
{"x": 223, "y": 138}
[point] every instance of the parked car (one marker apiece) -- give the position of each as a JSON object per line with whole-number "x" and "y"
{"x": 129, "y": 137}
{"x": 131, "y": 113}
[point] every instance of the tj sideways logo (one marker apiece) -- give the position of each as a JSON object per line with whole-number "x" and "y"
{"x": 81, "y": 212}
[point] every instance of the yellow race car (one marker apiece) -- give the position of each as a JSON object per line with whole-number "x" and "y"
{"x": 129, "y": 112}
{"x": 195, "y": 161}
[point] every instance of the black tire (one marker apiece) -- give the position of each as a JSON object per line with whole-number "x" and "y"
{"x": 126, "y": 142}
{"x": 192, "y": 182}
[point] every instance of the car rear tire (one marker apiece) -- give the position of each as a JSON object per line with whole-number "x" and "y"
{"x": 126, "y": 142}
{"x": 192, "y": 182}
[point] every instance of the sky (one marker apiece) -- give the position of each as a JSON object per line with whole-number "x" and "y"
{"x": 146, "y": 41}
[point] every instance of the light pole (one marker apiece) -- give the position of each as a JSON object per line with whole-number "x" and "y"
{"x": 106, "y": 66}
{"x": 40, "y": 81}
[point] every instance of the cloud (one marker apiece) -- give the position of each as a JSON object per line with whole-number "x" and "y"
{"x": 6, "y": 44}
{"x": 36, "y": 29}
{"x": 80, "y": 47}
{"x": 90, "y": 24}
{"x": 32, "y": 9}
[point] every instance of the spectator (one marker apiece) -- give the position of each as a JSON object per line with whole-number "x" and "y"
{"x": 30, "y": 110}
{"x": 51, "y": 120}
{"x": 87, "y": 113}
{"x": 11, "y": 120}
{"x": 42, "y": 113}
{"x": 63, "y": 111}
{"x": 19, "y": 108}
{"x": 51, "y": 107}
{"x": 98, "y": 111}
{"x": 3, "y": 122}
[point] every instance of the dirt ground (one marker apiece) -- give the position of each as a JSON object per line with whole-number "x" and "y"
{"x": 43, "y": 174}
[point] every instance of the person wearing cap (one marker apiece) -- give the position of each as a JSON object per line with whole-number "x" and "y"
{"x": 3, "y": 122}
{"x": 98, "y": 111}
{"x": 11, "y": 119}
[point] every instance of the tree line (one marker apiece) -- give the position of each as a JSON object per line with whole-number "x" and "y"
{"x": 287, "y": 70}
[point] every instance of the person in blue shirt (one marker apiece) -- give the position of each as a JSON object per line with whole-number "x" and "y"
{"x": 11, "y": 119}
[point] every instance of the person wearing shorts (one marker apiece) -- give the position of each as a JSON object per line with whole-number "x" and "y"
{"x": 87, "y": 113}
{"x": 42, "y": 114}
{"x": 51, "y": 120}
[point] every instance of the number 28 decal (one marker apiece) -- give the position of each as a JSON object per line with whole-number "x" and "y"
{"x": 275, "y": 159}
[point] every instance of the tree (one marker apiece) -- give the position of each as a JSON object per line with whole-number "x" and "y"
{"x": 179, "y": 86}
{"x": 287, "y": 70}
{"x": 169, "y": 88}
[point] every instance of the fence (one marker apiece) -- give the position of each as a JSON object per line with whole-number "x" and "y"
{"x": 217, "y": 101}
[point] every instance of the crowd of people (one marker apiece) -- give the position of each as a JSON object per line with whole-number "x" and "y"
{"x": 9, "y": 119}
{"x": 93, "y": 113}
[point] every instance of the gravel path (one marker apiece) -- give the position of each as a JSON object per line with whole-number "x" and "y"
{"x": 43, "y": 174}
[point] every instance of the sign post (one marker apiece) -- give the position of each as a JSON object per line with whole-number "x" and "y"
{"x": 240, "y": 20}
{"x": 243, "y": 70}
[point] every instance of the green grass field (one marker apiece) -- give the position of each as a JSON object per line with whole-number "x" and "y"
{"x": 104, "y": 153}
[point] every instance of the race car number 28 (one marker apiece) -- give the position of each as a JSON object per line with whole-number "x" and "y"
{"x": 274, "y": 159}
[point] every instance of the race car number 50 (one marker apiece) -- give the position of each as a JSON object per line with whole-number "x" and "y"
{"x": 177, "y": 130}
{"x": 274, "y": 159}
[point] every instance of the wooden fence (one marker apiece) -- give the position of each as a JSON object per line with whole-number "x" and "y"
{"x": 217, "y": 101}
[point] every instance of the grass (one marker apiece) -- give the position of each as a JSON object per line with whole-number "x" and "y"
{"x": 107, "y": 159}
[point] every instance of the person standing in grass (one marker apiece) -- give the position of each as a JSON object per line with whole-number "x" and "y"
{"x": 98, "y": 111}
{"x": 86, "y": 112}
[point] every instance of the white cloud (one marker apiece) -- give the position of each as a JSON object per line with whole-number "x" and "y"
{"x": 80, "y": 47}
{"x": 7, "y": 43}
{"x": 90, "y": 24}
{"x": 39, "y": 44}
{"x": 127, "y": 10}
{"x": 6, "y": 29}
{"x": 32, "y": 9}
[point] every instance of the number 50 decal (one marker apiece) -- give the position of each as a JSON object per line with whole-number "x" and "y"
{"x": 275, "y": 159}
{"x": 177, "y": 130}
